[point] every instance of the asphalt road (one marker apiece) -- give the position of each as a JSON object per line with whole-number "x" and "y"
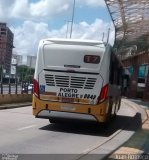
{"x": 21, "y": 133}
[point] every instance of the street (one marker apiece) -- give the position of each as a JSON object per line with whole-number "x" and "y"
{"x": 21, "y": 133}
{"x": 66, "y": 60}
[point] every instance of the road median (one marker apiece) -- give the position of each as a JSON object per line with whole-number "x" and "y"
{"x": 15, "y": 98}
{"x": 8, "y": 101}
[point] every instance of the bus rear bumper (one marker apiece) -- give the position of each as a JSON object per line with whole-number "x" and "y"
{"x": 64, "y": 116}
{"x": 48, "y": 109}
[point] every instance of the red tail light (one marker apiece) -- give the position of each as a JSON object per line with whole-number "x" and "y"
{"x": 103, "y": 93}
{"x": 36, "y": 87}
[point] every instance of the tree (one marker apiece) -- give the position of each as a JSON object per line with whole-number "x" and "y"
{"x": 25, "y": 73}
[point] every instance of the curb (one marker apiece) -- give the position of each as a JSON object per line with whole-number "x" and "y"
{"x": 138, "y": 108}
{"x": 16, "y": 105}
{"x": 103, "y": 148}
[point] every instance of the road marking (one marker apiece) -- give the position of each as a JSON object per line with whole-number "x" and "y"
{"x": 27, "y": 127}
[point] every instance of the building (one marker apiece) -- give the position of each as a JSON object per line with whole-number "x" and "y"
{"x": 31, "y": 61}
{"x": 6, "y": 46}
{"x": 19, "y": 59}
{"x": 138, "y": 66}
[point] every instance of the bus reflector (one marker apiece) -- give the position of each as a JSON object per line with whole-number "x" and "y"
{"x": 36, "y": 87}
{"x": 103, "y": 93}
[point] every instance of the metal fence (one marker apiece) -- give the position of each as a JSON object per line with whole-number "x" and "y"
{"x": 16, "y": 88}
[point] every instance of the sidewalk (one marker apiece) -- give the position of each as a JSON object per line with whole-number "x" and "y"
{"x": 143, "y": 104}
{"x": 138, "y": 144}
{"x": 14, "y": 105}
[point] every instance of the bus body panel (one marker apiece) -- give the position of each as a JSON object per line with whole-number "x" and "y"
{"x": 63, "y": 56}
{"x": 69, "y": 85}
{"x": 99, "y": 112}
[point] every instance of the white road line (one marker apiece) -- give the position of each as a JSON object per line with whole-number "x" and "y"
{"x": 27, "y": 127}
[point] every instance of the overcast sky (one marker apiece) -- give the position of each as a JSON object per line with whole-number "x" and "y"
{"x": 32, "y": 20}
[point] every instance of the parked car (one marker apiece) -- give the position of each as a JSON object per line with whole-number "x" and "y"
{"x": 27, "y": 88}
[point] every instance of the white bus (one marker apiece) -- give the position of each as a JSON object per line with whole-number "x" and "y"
{"x": 76, "y": 79}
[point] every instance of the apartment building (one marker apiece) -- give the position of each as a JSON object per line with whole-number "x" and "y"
{"x": 19, "y": 59}
{"x": 6, "y": 46}
{"x": 31, "y": 61}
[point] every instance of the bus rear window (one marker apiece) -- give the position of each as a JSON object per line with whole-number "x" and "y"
{"x": 94, "y": 59}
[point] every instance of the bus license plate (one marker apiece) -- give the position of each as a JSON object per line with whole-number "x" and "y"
{"x": 67, "y": 100}
{"x": 68, "y": 108}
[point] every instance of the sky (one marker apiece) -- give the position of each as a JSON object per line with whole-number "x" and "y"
{"x": 33, "y": 20}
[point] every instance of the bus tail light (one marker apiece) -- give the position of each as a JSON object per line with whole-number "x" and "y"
{"x": 103, "y": 93}
{"x": 36, "y": 87}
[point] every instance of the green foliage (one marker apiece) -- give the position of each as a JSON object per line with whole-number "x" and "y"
{"x": 25, "y": 73}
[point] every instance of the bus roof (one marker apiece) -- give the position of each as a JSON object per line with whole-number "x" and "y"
{"x": 74, "y": 41}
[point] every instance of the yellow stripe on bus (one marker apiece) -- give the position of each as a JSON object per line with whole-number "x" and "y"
{"x": 55, "y": 98}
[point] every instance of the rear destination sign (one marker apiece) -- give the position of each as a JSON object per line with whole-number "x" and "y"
{"x": 73, "y": 93}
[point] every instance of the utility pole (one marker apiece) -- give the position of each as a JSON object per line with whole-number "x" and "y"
{"x": 2, "y": 78}
{"x": 30, "y": 69}
{"x": 16, "y": 76}
{"x": 67, "y": 25}
{"x": 108, "y": 35}
{"x": 72, "y": 18}
{"x": 9, "y": 81}
{"x": 103, "y": 36}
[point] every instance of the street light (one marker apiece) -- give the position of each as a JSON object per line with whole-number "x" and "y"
{"x": 2, "y": 77}
{"x": 72, "y": 18}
